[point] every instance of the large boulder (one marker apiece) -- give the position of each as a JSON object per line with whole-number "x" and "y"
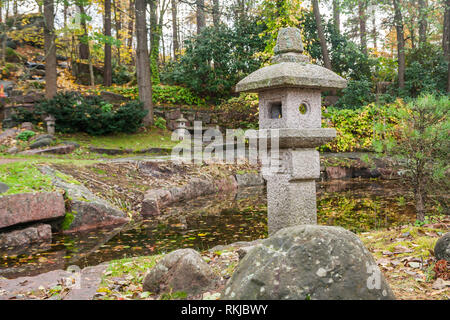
{"x": 442, "y": 248}
{"x": 30, "y": 207}
{"x": 24, "y": 237}
{"x": 183, "y": 270}
{"x": 88, "y": 210}
{"x": 41, "y": 143}
{"x": 308, "y": 262}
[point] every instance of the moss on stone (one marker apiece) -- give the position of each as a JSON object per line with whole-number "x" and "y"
{"x": 68, "y": 220}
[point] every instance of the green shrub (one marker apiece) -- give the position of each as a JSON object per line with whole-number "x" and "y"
{"x": 120, "y": 74}
{"x": 24, "y": 115}
{"x": 26, "y": 135}
{"x": 422, "y": 141}
{"x": 162, "y": 94}
{"x": 356, "y": 128}
{"x": 75, "y": 113}
{"x": 240, "y": 112}
{"x": 161, "y": 123}
{"x": 217, "y": 58}
{"x": 426, "y": 71}
{"x": 357, "y": 94}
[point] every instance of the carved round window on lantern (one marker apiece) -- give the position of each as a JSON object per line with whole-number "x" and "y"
{"x": 303, "y": 108}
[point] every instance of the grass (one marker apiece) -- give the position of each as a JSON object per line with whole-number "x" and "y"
{"x": 154, "y": 138}
{"x": 394, "y": 248}
{"x": 130, "y": 271}
{"x": 420, "y": 240}
{"x": 24, "y": 178}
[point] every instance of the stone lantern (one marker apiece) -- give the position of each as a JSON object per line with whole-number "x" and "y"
{"x": 181, "y": 127}
{"x": 50, "y": 121}
{"x": 290, "y": 111}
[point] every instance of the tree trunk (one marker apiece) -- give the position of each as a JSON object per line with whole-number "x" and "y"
{"x": 337, "y": 15}
{"x": 130, "y": 24}
{"x": 83, "y": 46}
{"x": 420, "y": 206}
{"x": 66, "y": 7}
{"x": 4, "y": 39}
{"x": 50, "y": 50}
{"x": 374, "y": 28}
{"x": 398, "y": 21}
{"x": 446, "y": 40}
{"x": 155, "y": 34}
{"x": 118, "y": 27}
{"x": 216, "y": 13}
{"x": 107, "y": 72}
{"x": 201, "y": 20}
{"x": 446, "y": 31}
{"x": 362, "y": 25}
{"x": 323, "y": 43}
{"x": 91, "y": 68}
{"x": 176, "y": 46}
{"x": 142, "y": 61}
{"x": 423, "y": 24}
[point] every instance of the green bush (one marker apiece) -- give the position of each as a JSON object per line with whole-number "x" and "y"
{"x": 162, "y": 94}
{"x": 240, "y": 112}
{"x": 161, "y": 123}
{"x": 217, "y": 58}
{"x": 26, "y": 135}
{"x": 120, "y": 74}
{"x": 24, "y": 115}
{"x": 357, "y": 94}
{"x": 356, "y": 128}
{"x": 426, "y": 71}
{"x": 75, "y": 113}
{"x": 422, "y": 141}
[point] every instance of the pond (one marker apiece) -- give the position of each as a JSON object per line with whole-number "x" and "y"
{"x": 358, "y": 205}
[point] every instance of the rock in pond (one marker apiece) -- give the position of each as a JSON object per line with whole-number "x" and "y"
{"x": 442, "y": 248}
{"x": 88, "y": 211}
{"x": 30, "y": 207}
{"x": 183, "y": 270}
{"x": 308, "y": 262}
{"x": 25, "y": 237}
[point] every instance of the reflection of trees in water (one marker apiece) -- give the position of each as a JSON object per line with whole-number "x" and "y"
{"x": 216, "y": 220}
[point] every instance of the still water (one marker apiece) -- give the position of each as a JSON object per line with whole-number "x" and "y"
{"x": 358, "y": 205}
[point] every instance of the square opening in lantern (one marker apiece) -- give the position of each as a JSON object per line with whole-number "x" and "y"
{"x": 275, "y": 110}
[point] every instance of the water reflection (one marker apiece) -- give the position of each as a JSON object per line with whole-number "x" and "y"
{"x": 221, "y": 219}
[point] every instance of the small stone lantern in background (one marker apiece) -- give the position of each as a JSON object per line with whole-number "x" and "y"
{"x": 181, "y": 127}
{"x": 290, "y": 109}
{"x": 50, "y": 121}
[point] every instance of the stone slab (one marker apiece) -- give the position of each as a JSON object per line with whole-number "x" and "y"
{"x": 30, "y": 207}
{"x": 25, "y": 237}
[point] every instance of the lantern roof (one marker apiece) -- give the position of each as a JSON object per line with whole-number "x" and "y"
{"x": 181, "y": 119}
{"x": 291, "y": 69}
